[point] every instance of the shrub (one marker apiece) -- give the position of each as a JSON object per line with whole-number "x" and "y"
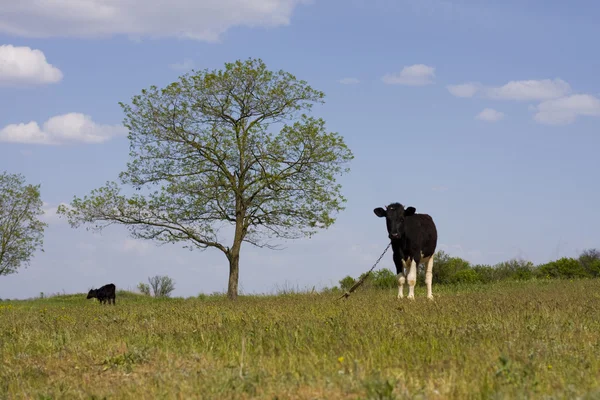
{"x": 514, "y": 269}
{"x": 446, "y": 267}
{"x": 593, "y": 269}
{"x": 485, "y": 273}
{"x": 144, "y": 288}
{"x": 467, "y": 275}
{"x": 379, "y": 279}
{"x": 562, "y": 268}
{"x": 347, "y": 282}
{"x": 384, "y": 279}
{"x": 590, "y": 260}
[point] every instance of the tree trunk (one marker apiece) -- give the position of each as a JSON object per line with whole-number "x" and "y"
{"x": 234, "y": 272}
{"x": 234, "y": 252}
{"x": 234, "y": 262}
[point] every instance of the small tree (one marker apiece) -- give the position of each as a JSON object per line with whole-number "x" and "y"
{"x": 144, "y": 288}
{"x": 590, "y": 260}
{"x": 21, "y": 231}
{"x": 162, "y": 286}
{"x": 230, "y": 146}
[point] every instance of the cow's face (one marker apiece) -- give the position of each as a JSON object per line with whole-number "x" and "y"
{"x": 395, "y": 215}
{"x": 92, "y": 294}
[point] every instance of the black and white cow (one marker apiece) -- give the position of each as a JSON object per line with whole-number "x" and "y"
{"x": 103, "y": 294}
{"x": 414, "y": 239}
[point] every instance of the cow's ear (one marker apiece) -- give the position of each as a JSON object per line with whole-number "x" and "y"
{"x": 409, "y": 211}
{"x": 380, "y": 212}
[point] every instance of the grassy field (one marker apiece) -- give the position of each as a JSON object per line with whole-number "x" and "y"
{"x": 537, "y": 339}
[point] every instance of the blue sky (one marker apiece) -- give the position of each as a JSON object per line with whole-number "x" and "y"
{"x": 484, "y": 114}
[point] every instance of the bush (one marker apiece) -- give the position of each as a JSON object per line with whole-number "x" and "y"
{"x": 451, "y": 270}
{"x": 446, "y": 267}
{"x": 590, "y": 260}
{"x": 485, "y": 273}
{"x": 347, "y": 282}
{"x": 384, "y": 279}
{"x": 466, "y": 276}
{"x": 379, "y": 279}
{"x": 514, "y": 269}
{"x": 144, "y": 288}
{"x": 563, "y": 268}
{"x": 593, "y": 269}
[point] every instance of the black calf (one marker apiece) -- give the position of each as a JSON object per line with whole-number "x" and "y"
{"x": 105, "y": 293}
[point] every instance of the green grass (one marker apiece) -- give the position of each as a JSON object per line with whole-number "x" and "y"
{"x": 536, "y": 339}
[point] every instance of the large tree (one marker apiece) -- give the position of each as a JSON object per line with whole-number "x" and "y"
{"x": 21, "y": 230}
{"x": 231, "y": 146}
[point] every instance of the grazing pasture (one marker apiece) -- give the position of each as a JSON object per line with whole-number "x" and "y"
{"x": 534, "y": 339}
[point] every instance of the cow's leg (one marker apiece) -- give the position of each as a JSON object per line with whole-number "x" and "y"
{"x": 429, "y": 276}
{"x": 412, "y": 278}
{"x": 401, "y": 280}
{"x": 400, "y": 266}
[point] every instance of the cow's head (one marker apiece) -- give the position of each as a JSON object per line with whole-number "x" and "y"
{"x": 394, "y": 218}
{"x": 92, "y": 293}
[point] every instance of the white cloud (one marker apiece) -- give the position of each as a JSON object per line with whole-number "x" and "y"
{"x": 524, "y": 90}
{"x": 527, "y": 90}
{"x": 187, "y": 64}
{"x": 25, "y": 66}
{"x": 491, "y": 115}
{"x": 202, "y": 20}
{"x": 349, "y": 81}
{"x": 61, "y": 129}
{"x": 464, "y": 89}
{"x": 414, "y": 75}
{"x": 566, "y": 109}
{"x": 558, "y": 105}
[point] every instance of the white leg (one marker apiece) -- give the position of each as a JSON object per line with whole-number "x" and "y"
{"x": 412, "y": 279}
{"x": 401, "y": 281}
{"x": 429, "y": 277}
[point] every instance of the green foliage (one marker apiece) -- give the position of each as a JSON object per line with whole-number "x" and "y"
{"x": 144, "y": 288}
{"x": 455, "y": 270}
{"x": 347, "y": 282}
{"x": 309, "y": 346}
{"x": 562, "y": 268}
{"x": 485, "y": 273}
{"x": 232, "y": 146}
{"x": 21, "y": 230}
{"x": 161, "y": 286}
{"x": 384, "y": 279}
{"x": 378, "y": 279}
{"x": 590, "y": 260}
{"x": 514, "y": 269}
{"x": 593, "y": 268}
{"x": 446, "y": 267}
{"x": 466, "y": 275}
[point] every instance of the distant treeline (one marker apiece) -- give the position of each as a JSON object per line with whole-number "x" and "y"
{"x": 455, "y": 270}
